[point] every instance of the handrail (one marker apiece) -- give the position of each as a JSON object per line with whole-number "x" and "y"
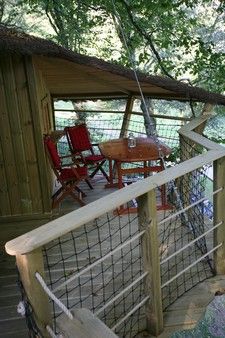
{"x": 173, "y": 117}
{"x": 59, "y": 227}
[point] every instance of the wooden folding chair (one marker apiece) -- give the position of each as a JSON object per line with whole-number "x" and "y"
{"x": 79, "y": 142}
{"x": 69, "y": 177}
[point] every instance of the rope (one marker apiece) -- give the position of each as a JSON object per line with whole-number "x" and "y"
{"x": 129, "y": 54}
{"x": 52, "y": 296}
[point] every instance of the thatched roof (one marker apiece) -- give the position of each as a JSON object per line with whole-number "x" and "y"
{"x": 68, "y": 72}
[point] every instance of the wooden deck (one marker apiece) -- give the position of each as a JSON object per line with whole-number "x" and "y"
{"x": 184, "y": 313}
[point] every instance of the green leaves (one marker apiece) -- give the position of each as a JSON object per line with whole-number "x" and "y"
{"x": 177, "y": 38}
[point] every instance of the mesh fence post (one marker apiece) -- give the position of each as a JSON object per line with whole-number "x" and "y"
{"x": 27, "y": 265}
{"x": 147, "y": 215}
{"x": 219, "y": 214}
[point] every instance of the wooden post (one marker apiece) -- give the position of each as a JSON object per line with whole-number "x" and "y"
{"x": 219, "y": 214}
{"x": 28, "y": 264}
{"x": 127, "y": 116}
{"x": 147, "y": 215}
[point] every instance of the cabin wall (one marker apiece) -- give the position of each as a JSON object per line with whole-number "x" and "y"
{"x": 46, "y": 118}
{"x": 24, "y": 191}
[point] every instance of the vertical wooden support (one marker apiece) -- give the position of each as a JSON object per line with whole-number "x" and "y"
{"x": 36, "y": 115}
{"x": 28, "y": 264}
{"x": 147, "y": 215}
{"x": 219, "y": 214}
{"x": 127, "y": 116}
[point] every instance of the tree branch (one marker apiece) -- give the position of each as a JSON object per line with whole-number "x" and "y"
{"x": 147, "y": 37}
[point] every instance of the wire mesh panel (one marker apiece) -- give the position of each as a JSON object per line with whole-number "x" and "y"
{"x": 184, "y": 265}
{"x": 166, "y": 130}
{"x": 94, "y": 286}
{"x": 104, "y": 126}
{"x": 215, "y": 129}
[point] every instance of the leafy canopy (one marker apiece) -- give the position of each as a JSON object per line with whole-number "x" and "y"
{"x": 177, "y": 38}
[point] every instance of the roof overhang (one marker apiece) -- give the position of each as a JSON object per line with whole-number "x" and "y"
{"x": 68, "y": 79}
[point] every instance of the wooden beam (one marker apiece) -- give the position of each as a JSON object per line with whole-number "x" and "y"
{"x": 147, "y": 214}
{"x": 219, "y": 214}
{"x": 89, "y": 96}
{"x": 177, "y": 118}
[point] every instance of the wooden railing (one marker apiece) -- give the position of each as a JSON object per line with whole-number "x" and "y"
{"x": 28, "y": 247}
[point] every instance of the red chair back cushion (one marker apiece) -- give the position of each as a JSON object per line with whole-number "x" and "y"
{"x": 52, "y": 150}
{"x": 79, "y": 137}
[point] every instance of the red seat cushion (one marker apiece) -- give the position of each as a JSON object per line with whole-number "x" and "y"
{"x": 94, "y": 158}
{"x": 68, "y": 173}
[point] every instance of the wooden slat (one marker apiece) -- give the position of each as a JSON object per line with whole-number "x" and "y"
{"x": 17, "y": 136}
{"x": 36, "y": 111}
{"x": 6, "y": 138}
{"x": 84, "y": 325}
{"x": 27, "y": 126}
{"x": 4, "y": 196}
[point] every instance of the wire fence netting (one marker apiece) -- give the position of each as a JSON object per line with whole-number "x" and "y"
{"x": 70, "y": 255}
{"x": 186, "y": 227}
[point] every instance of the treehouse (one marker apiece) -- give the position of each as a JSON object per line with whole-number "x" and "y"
{"x": 118, "y": 265}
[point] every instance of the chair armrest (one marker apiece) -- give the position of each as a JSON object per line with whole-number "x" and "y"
{"x": 74, "y": 158}
{"x": 66, "y": 156}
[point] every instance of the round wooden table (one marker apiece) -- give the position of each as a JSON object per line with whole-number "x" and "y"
{"x": 147, "y": 149}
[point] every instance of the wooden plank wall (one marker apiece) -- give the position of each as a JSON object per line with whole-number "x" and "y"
{"x": 46, "y": 118}
{"x": 21, "y": 170}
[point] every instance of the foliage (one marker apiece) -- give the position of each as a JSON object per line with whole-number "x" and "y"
{"x": 177, "y": 38}
{"x": 17, "y": 14}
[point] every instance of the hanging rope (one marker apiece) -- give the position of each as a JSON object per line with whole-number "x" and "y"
{"x": 52, "y": 296}
{"x": 129, "y": 55}
{"x": 143, "y": 100}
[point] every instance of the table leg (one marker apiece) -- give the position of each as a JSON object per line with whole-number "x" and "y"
{"x": 145, "y": 166}
{"x": 111, "y": 184}
{"x": 120, "y": 176}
